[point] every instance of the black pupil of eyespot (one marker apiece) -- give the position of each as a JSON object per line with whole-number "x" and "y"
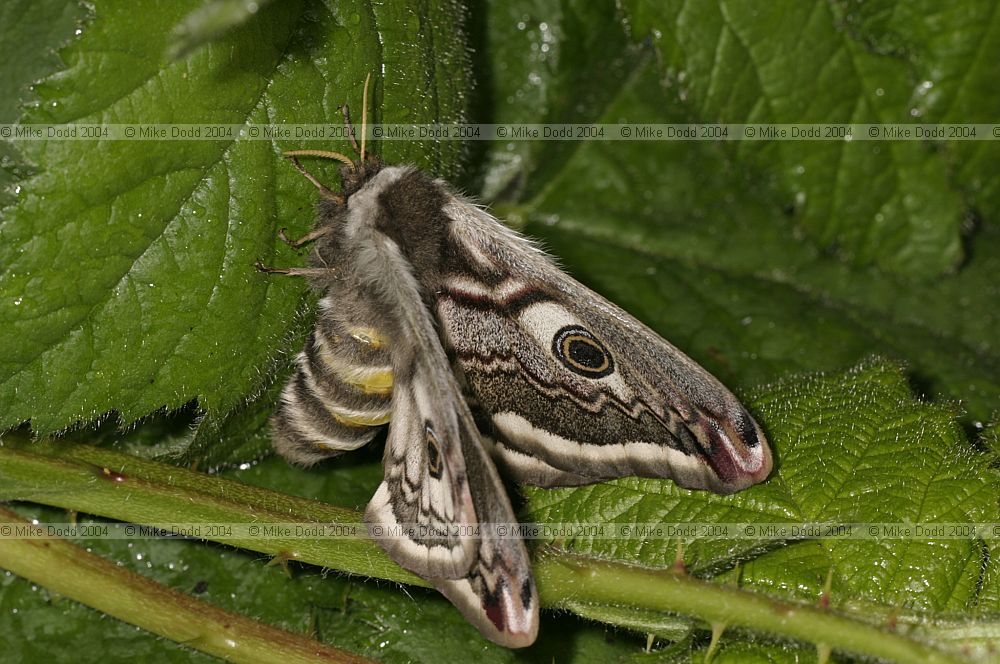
{"x": 586, "y": 353}
{"x": 581, "y": 353}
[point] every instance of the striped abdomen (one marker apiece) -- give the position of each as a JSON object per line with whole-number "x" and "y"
{"x": 341, "y": 394}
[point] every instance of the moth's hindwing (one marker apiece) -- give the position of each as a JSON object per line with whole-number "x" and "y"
{"x": 434, "y": 447}
{"x": 578, "y": 390}
{"x": 498, "y": 593}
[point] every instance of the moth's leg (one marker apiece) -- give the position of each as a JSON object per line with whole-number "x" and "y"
{"x": 305, "y": 239}
{"x": 295, "y": 271}
{"x": 324, "y": 191}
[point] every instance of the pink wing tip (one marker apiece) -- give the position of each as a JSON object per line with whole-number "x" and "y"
{"x": 740, "y": 454}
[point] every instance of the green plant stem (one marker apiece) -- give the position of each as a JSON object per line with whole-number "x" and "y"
{"x": 67, "y": 569}
{"x": 122, "y": 487}
{"x": 565, "y": 578}
{"x": 944, "y": 628}
{"x": 98, "y": 481}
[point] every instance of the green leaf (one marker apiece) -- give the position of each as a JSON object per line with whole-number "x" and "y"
{"x": 30, "y": 32}
{"x": 554, "y": 61}
{"x": 853, "y": 448}
{"x": 952, "y": 48}
{"x": 208, "y": 22}
{"x": 754, "y": 653}
{"x": 386, "y": 624}
{"x": 889, "y": 204}
{"x": 128, "y": 266}
{"x": 908, "y": 463}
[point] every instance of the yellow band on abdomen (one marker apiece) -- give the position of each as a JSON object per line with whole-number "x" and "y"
{"x": 356, "y": 419}
{"x": 368, "y": 336}
{"x": 379, "y": 382}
